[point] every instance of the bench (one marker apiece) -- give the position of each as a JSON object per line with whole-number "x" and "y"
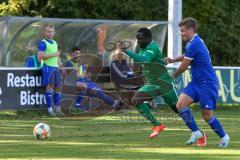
{"x": 102, "y": 76}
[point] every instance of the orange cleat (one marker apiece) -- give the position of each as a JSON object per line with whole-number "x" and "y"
{"x": 201, "y": 142}
{"x": 157, "y": 130}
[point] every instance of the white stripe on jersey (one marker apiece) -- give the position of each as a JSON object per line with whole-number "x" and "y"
{"x": 188, "y": 58}
{"x": 149, "y": 51}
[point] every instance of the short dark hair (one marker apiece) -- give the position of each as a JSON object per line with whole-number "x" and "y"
{"x": 76, "y": 49}
{"x": 146, "y": 32}
{"x": 189, "y": 22}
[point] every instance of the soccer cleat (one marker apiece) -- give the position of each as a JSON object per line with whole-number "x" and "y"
{"x": 51, "y": 113}
{"x": 81, "y": 108}
{"x": 60, "y": 113}
{"x": 201, "y": 142}
{"x": 118, "y": 104}
{"x": 224, "y": 141}
{"x": 157, "y": 130}
{"x": 194, "y": 137}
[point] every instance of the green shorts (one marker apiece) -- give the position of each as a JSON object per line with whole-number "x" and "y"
{"x": 169, "y": 93}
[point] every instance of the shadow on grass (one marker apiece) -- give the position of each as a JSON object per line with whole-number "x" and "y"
{"x": 23, "y": 114}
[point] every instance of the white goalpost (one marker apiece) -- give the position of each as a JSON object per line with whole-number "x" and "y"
{"x": 174, "y": 37}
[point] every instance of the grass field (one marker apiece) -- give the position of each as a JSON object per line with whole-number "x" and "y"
{"x": 115, "y": 136}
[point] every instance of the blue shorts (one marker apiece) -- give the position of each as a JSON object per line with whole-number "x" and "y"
{"x": 51, "y": 76}
{"x": 205, "y": 93}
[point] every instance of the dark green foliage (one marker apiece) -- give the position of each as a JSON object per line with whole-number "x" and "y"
{"x": 219, "y": 20}
{"x": 219, "y": 26}
{"x": 105, "y": 9}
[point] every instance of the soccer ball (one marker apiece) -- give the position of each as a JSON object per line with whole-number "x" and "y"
{"x": 41, "y": 131}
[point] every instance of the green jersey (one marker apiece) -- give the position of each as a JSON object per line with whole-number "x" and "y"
{"x": 152, "y": 63}
{"x": 50, "y": 49}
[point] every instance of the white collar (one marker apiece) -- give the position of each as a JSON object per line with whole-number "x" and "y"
{"x": 193, "y": 37}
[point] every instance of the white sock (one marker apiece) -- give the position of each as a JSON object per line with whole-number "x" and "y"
{"x": 50, "y": 109}
{"x": 115, "y": 103}
{"x": 226, "y": 136}
{"x": 58, "y": 108}
{"x": 198, "y": 132}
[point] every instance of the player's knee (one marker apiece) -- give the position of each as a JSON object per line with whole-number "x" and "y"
{"x": 80, "y": 88}
{"x": 58, "y": 89}
{"x": 49, "y": 88}
{"x": 92, "y": 92}
{"x": 136, "y": 101}
{"x": 180, "y": 105}
{"x": 207, "y": 115}
{"x": 133, "y": 101}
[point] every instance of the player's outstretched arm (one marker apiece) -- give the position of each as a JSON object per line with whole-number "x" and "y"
{"x": 184, "y": 66}
{"x": 137, "y": 57}
{"x": 168, "y": 60}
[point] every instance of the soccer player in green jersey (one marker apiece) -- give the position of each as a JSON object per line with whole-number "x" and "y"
{"x": 158, "y": 80}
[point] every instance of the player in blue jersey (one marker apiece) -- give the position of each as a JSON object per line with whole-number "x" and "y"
{"x": 204, "y": 85}
{"x": 49, "y": 54}
{"x": 84, "y": 85}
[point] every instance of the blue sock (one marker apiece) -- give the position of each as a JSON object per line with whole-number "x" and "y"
{"x": 79, "y": 99}
{"x": 108, "y": 100}
{"x": 57, "y": 98}
{"x": 48, "y": 97}
{"x": 188, "y": 118}
{"x": 216, "y": 126}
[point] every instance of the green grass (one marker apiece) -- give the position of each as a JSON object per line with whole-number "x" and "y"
{"x": 114, "y": 136}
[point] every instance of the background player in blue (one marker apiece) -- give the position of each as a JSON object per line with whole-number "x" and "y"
{"x": 204, "y": 85}
{"x": 84, "y": 85}
{"x": 49, "y": 54}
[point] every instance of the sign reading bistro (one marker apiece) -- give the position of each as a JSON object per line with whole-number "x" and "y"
{"x": 21, "y": 88}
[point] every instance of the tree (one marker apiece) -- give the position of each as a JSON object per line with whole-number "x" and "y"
{"x": 219, "y": 26}
{"x": 14, "y": 7}
{"x": 219, "y": 20}
{"x": 105, "y": 9}
{"x": 22, "y": 7}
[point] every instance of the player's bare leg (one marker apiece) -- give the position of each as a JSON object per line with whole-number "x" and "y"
{"x": 144, "y": 110}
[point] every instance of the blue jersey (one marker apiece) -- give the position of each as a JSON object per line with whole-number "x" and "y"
{"x": 201, "y": 66}
{"x": 32, "y": 61}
